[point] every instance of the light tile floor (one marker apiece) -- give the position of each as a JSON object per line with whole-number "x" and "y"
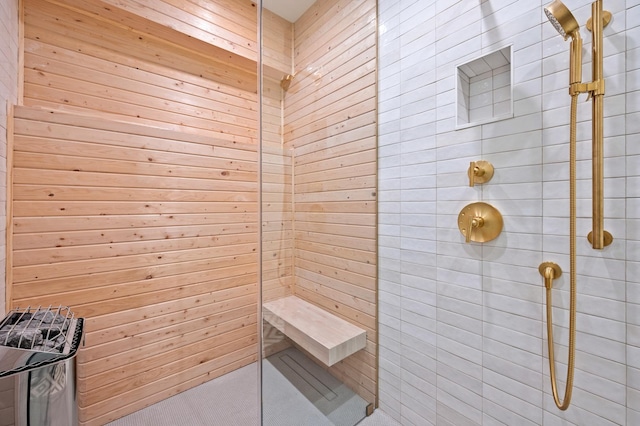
{"x": 231, "y": 400}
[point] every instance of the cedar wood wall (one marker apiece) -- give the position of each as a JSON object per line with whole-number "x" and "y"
{"x": 134, "y": 187}
{"x": 330, "y": 126}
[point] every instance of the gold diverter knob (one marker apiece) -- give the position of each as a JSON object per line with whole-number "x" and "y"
{"x": 479, "y": 172}
{"x": 479, "y": 222}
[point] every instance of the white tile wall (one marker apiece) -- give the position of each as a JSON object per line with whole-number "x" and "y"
{"x": 632, "y": 214}
{"x": 484, "y": 89}
{"x": 8, "y": 93}
{"x": 462, "y": 336}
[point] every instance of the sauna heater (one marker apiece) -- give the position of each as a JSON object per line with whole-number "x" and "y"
{"x": 37, "y": 367}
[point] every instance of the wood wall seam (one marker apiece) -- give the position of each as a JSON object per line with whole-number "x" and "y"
{"x": 9, "y": 210}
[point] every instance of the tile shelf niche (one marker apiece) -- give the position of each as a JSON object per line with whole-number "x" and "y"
{"x": 484, "y": 89}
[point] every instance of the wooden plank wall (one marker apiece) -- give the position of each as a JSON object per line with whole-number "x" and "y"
{"x": 330, "y": 123}
{"x": 227, "y": 27}
{"x": 9, "y": 42}
{"x": 146, "y": 232}
{"x": 151, "y": 236}
{"x": 81, "y": 63}
{"x": 135, "y": 199}
{"x": 277, "y": 224}
{"x": 277, "y": 197}
{"x": 277, "y": 219}
{"x": 277, "y": 237}
{"x": 277, "y": 45}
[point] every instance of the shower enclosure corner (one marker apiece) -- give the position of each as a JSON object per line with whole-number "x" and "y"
{"x": 318, "y": 177}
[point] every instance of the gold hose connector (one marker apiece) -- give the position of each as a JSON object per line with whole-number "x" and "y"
{"x": 550, "y": 271}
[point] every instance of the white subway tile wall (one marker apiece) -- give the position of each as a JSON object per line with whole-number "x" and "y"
{"x": 462, "y": 326}
{"x": 484, "y": 89}
{"x": 8, "y": 93}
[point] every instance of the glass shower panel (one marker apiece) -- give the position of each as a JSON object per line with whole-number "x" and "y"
{"x": 318, "y": 217}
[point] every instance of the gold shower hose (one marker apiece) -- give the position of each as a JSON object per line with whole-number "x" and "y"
{"x": 564, "y": 404}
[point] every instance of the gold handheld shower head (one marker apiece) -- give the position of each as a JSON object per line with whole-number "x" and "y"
{"x": 562, "y": 19}
{"x": 310, "y": 71}
{"x": 564, "y": 22}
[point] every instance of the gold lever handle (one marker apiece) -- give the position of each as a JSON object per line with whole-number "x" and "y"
{"x": 475, "y": 222}
{"x": 479, "y": 222}
{"x": 479, "y": 172}
{"x": 472, "y": 172}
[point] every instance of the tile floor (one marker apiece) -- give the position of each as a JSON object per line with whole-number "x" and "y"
{"x": 298, "y": 393}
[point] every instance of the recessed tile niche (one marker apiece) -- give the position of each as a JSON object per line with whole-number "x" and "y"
{"x": 484, "y": 89}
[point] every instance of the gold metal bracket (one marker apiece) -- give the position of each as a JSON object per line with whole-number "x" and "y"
{"x": 606, "y": 18}
{"x": 480, "y": 222}
{"x": 550, "y": 271}
{"x": 608, "y": 238}
{"x": 593, "y": 88}
{"x": 479, "y": 172}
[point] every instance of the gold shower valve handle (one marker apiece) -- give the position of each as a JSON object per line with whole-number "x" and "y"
{"x": 479, "y": 172}
{"x": 475, "y": 222}
{"x": 479, "y": 222}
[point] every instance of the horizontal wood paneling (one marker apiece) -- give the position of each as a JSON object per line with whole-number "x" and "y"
{"x": 330, "y": 124}
{"x": 151, "y": 235}
{"x": 224, "y": 30}
{"x": 277, "y": 213}
{"x": 80, "y": 62}
{"x": 277, "y": 45}
{"x": 9, "y": 95}
{"x": 122, "y": 404}
{"x": 277, "y": 223}
{"x": 277, "y": 202}
{"x": 140, "y": 210}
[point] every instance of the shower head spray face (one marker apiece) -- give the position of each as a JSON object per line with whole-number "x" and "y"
{"x": 562, "y": 19}
{"x": 286, "y": 82}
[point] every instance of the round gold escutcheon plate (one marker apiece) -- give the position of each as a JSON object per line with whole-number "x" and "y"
{"x": 488, "y": 221}
{"x": 608, "y": 238}
{"x": 606, "y": 18}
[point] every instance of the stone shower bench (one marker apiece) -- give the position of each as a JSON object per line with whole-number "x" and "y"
{"x": 322, "y": 334}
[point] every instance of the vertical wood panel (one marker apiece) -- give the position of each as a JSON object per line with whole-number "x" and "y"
{"x": 330, "y": 124}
